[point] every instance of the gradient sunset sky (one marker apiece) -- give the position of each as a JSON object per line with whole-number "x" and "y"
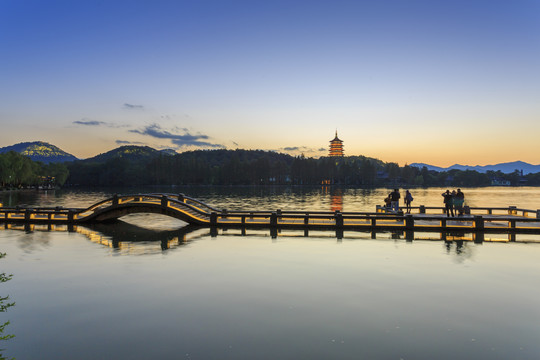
{"x": 439, "y": 82}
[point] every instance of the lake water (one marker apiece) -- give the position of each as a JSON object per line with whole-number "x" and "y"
{"x": 147, "y": 289}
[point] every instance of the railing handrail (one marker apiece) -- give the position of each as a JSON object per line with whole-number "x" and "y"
{"x": 468, "y": 218}
{"x": 171, "y": 196}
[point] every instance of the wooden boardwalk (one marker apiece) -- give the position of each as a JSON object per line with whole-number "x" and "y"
{"x": 194, "y": 212}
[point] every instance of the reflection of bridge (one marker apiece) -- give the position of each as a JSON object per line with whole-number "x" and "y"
{"x": 194, "y": 212}
{"x": 135, "y": 240}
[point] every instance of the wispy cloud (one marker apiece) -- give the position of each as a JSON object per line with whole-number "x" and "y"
{"x": 298, "y": 150}
{"x": 181, "y": 140}
{"x": 126, "y": 142}
{"x": 89, "y": 122}
{"x": 133, "y": 107}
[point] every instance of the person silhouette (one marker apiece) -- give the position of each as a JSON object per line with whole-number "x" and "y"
{"x": 459, "y": 199}
{"x": 408, "y": 198}
{"x": 394, "y": 197}
{"x": 448, "y": 203}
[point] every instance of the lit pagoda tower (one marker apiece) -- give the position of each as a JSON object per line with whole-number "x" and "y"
{"x": 336, "y": 147}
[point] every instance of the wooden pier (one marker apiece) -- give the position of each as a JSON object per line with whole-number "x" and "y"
{"x": 422, "y": 218}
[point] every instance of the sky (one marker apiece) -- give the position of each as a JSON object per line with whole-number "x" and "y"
{"x": 437, "y": 82}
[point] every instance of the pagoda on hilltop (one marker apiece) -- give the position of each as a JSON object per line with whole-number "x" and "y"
{"x": 336, "y": 147}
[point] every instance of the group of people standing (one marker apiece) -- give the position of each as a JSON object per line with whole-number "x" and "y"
{"x": 453, "y": 201}
{"x": 392, "y": 201}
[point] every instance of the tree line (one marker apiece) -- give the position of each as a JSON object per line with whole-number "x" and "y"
{"x": 19, "y": 171}
{"x": 257, "y": 167}
{"x": 239, "y": 167}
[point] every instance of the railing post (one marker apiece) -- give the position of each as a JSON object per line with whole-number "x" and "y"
{"x": 164, "y": 201}
{"x": 115, "y": 199}
{"x": 409, "y": 222}
{"x": 306, "y": 219}
{"x": 213, "y": 218}
{"x": 243, "y": 217}
{"x": 479, "y": 223}
{"x": 70, "y": 215}
{"x": 512, "y": 210}
{"x": 373, "y": 222}
{"x": 478, "y": 238}
{"x": 181, "y": 198}
{"x": 467, "y": 210}
{"x": 422, "y": 209}
{"x": 409, "y": 235}
{"x": 538, "y": 214}
{"x": 339, "y": 218}
{"x": 27, "y": 214}
{"x": 273, "y": 219}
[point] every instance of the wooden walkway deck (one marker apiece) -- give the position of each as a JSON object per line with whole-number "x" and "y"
{"x": 423, "y": 218}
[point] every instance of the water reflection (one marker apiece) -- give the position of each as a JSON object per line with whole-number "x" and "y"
{"x": 130, "y": 239}
{"x": 279, "y": 294}
{"x": 336, "y": 197}
{"x": 127, "y": 238}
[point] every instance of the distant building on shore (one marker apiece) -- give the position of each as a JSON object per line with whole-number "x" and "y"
{"x": 336, "y": 147}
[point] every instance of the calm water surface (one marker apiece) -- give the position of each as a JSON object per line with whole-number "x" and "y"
{"x": 144, "y": 288}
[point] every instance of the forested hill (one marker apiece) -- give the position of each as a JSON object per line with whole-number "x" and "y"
{"x": 138, "y": 165}
{"x": 129, "y": 152}
{"x": 145, "y": 166}
{"x": 40, "y": 151}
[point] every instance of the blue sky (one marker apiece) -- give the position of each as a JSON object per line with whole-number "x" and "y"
{"x": 440, "y": 82}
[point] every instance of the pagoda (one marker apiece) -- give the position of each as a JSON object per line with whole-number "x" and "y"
{"x": 336, "y": 147}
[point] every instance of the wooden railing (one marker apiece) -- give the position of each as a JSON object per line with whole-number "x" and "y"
{"x": 194, "y": 211}
{"x": 510, "y": 210}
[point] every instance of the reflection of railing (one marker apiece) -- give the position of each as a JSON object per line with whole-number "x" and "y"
{"x": 134, "y": 240}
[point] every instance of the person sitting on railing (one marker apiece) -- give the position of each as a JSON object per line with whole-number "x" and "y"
{"x": 388, "y": 203}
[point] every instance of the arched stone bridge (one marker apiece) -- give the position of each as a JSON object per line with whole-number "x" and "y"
{"x": 179, "y": 206}
{"x": 499, "y": 220}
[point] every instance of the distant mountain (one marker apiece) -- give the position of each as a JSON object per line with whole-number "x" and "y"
{"x": 40, "y": 151}
{"x": 129, "y": 152}
{"x": 168, "y": 152}
{"x": 505, "y": 168}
